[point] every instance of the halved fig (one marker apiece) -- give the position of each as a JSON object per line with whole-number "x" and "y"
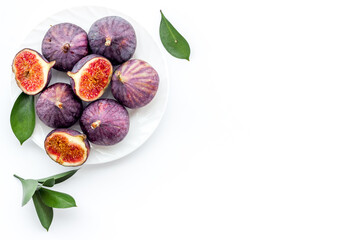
{"x": 67, "y": 147}
{"x": 90, "y": 77}
{"x": 114, "y": 38}
{"x": 134, "y": 83}
{"x": 32, "y": 71}
{"x": 66, "y": 43}
{"x": 58, "y": 106}
{"x": 105, "y": 122}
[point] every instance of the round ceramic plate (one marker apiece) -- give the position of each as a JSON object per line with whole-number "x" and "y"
{"x": 143, "y": 121}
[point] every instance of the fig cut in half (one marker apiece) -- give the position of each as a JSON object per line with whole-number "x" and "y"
{"x": 90, "y": 77}
{"x": 32, "y": 71}
{"x": 67, "y": 147}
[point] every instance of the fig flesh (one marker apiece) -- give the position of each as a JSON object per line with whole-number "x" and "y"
{"x": 134, "y": 83}
{"x": 105, "y": 122}
{"x": 66, "y": 43}
{"x": 90, "y": 77}
{"x": 67, "y": 147}
{"x": 114, "y": 38}
{"x": 32, "y": 71}
{"x": 58, "y": 106}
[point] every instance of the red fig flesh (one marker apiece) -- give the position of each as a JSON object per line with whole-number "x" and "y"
{"x": 32, "y": 71}
{"x": 67, "y": 147}
{"x": 90, "y": 77}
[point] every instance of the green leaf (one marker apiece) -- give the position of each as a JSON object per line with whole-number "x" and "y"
{"x": 22, "y": 117}
{"x": 59, "y": 177}
{"x": 44, "y": 212}
{"x": 29, "y": 188}
{"x": 56, "y": 199}
{"x": 172, "y": 40}
{"x": 49, "y": 182}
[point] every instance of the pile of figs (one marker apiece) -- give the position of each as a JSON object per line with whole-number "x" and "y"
{"x": 93, "y": 61}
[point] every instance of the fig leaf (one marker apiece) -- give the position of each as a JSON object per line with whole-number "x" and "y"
{"x": 29, "y": 188}
{"x": 44, "y": 212}
{"x": 56, "y": 199}
{"x": 50, "y": 182}
{"x": 59, "y": 177}
{"x": 172, "y": 40}
{"x": 22, "y": 117}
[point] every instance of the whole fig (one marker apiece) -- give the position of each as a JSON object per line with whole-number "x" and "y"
{"x": 67, "y": 147}
{"x": 134, "y": 83}
{"x": 114, "y": 38}
{"x": 58, "y": 106}
{"x": 32, "y": 71}
{"x": 66, "y": 43}
{"x": 105, "y": 122}
{"x": 90, "y": 77}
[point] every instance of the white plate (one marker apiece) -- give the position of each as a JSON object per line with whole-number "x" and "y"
{"x": 143, "y": 121}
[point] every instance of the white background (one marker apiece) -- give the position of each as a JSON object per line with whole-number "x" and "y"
{"x": 260, "y": 139}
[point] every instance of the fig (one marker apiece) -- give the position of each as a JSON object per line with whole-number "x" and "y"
{"x": 90, "y": 77}
{"x": 32, "y": 71}
{"x": 67, "y": 147}
{"x": 66, "y": 43}
{"x": 105, "y": 122}
{"x": 58, "y": 106}
{"x": 134, "y": 83}
{"x": 114, "y": 38}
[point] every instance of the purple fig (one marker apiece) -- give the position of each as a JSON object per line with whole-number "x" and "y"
{"x": 114, "y": 38}
{"x": 67, "y": 147}
{"x": 134, "y": 83}
{"x": 58, "y": 106}
{"x": 32, "y": 71}
{"x": 105, "y": 122}
{"x": 66, "y": 43}
{"x": 90, "y": 77}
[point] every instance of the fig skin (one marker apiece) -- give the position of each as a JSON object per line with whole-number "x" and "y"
{"x": 68, "y": 133}
{"x": 105, "y": 122}
{"x": 134, "y": 83}
{"x": 58, "y": 106}
{"x": 114, "y": 38}
{"x": 45, "y": 65}
{"x": 66, "y": 43}
{"x": 76, "y": 73}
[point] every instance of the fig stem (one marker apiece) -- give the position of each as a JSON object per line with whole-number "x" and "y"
{"x": 52, "y": 63}
{"x": 108, "y": 41}
{"x": 66, "y": 47}
{"x": 58, "y": 104}
{"x": 71, "y": 74}
{"x": 95, "y": 124}
{"x": 119, "y": 76}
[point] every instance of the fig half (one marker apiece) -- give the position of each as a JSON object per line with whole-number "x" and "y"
{"x": 105, "y": 122}
{"x": 114, "y": 38}
{"x": 58, "y": 106}
{"x": 66, "y": 43}
{"x": 32, "y": 71}
{"x": 90, "y": 77}
{"x": 134, "y": 83}
{"x": 67, "y": 147}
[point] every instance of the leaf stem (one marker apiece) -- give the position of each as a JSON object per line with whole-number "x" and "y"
{"x": 20, "y": 178}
